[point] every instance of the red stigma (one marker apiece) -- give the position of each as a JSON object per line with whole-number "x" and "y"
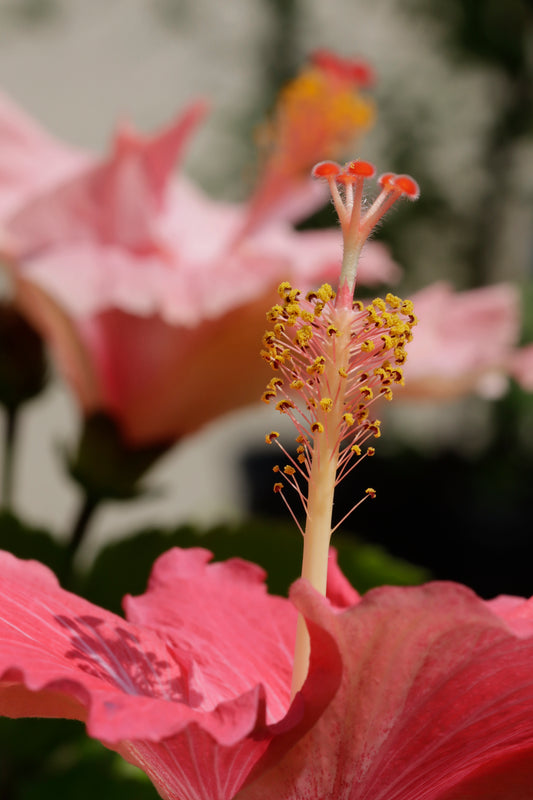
{"x": 401, "y": 184}
{"x": 326, "y": 169}
{"x": 387, "y": 180}
{"x": 353, "y": 70}
{"x": 408, "y": 186}
{"x": 363, "y": 169}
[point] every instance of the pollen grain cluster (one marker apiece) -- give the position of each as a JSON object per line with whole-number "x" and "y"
{"x": 331, "y": 366}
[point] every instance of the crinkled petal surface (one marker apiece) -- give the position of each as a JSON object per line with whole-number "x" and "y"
{"x": 115, "y": 201}
{"x": 194, "y": 688}
{"x": 436, "y": 702}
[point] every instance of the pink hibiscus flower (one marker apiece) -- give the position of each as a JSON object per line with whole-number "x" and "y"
{"x": 464, "y": 342}
{"x": 419, "y": 693}
{"x": 143, "y": 285}
{"x": 31, "y": 161}
{"x": 522, "y": 367}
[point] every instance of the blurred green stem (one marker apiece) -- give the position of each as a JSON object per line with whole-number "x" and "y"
{"x": 9, "y": 457}
{"x": 79, "y": 529}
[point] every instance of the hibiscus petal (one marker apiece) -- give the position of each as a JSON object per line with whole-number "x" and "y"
{"x": 223, "y": 607}
{"x": 115, "y": 201}
{"x": 436, "y": 690}
{"x": 31, "y": 161}
{"x": 176, "y": 691}
{"x": 474, "y": 334}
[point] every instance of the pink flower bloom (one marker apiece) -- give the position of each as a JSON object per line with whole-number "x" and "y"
{"x": 31, "y": 161}
{"x": 420, "y": 693}
{"x": 143, "y": 285}
{"x": 522, "y": 367}
{"x": 464, "y": 342}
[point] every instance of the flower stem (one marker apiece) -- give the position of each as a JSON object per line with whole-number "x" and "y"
{"x": 85, "y": 515}
{"x": 316, "y": 548}
{"x": 9, "y": 457}
{"x": 322, "y": 481}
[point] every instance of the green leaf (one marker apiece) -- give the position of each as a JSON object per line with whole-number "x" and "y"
{"x": 124, "y": 567}
{"x": 25, "y": 541}
{"x": 51, "y": 759}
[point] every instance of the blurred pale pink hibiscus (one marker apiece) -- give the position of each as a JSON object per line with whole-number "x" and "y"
{"x": 418, "y": 693}
{"x": 151, "y": 294}
{"x": 522, "y": 367}
{"x": 464, "y": 342}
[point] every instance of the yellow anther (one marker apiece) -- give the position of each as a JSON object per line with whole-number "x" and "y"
{"x": 304, "y": 335}
{"x": 356, "y": 449}
{"x": 297, "y": 384}
{"x": 318, "y": 366}
{"x": 362, "y": 414}
{"x": 288, "y": 470}
{"x": 284, "y": 288}
{"x": 373, "y": 316}
{"x": 332, "y": 331}
{"x": 307, "y": 316}
{"x": 269, "y": 438}
{"x": 284, "y": 405}
{"x": 273, "y": 314}
{"x": 348, "y": 419}
{"x": 367, "y": 346}
{"x": 275, "y": 468}
{"x": 400, "y": 355}
{"x": 342, "y": 372}
{"x": 358, "y": 305}
{"x": 386, "y": 392}
{"x": 366, "y": 392}
{"x": 390, "y": 319}
{"x": 379, "y": 304}
{"x": 393, "y": 300}
{"x": 317, "y": 427}
{"x": 387, "y": 342}
{"x": 325, "y": 293}
{"x": 279, "y": 327}
{"x": 292, "y": 309}
{"x": 326, "y": 404}
{"x": 370, "y": 492}
{"x": 267, "y": 396}
{"x": 269, "y": 338}
{"x": 374, "y": 428}
{"x": 278, "y": 487}
{"x": 370, "y": 451}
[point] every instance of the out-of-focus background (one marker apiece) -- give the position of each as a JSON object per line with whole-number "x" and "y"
{"x": 453, "y": 100}
{"x": 453, "y": 97}
{"x": 454, "y": 103}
